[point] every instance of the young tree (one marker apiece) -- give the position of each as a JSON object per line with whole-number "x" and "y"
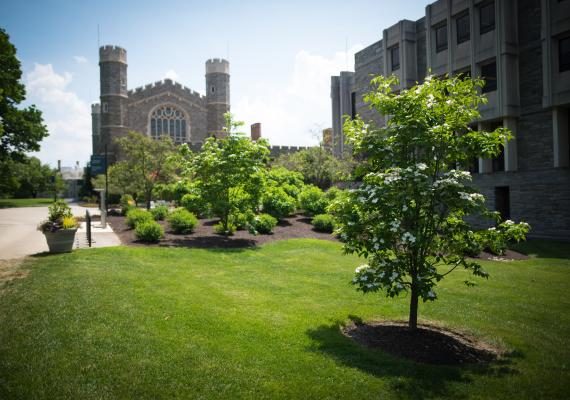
{"x": 228, "y": 170}
{"x": 147, "y": 162}
{"x": 21, "y": 129}
{"x": 318, "y": 166}
{"x": 408, "y": 216}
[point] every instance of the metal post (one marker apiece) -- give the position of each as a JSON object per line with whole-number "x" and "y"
{"x": 103, "y": 209}
{"x": 88, "y": 226}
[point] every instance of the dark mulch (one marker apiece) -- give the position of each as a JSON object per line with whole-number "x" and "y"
{"x": 508, "y": 256}
{"x": 428, "y": 344}
{"x": 297, "y": 226}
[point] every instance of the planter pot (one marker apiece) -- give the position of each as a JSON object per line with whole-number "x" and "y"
{"x": 60, "y": 241}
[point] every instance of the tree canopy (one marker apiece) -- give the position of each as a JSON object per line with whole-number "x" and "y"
{"x": 21, "y": 129}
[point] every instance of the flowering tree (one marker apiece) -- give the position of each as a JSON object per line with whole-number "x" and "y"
{"x": 407, "y": 218}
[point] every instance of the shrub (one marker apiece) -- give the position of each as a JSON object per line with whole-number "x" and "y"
{"x": 277, "y": 203}
{"x": 136, "y": 216}
{"x": 195, "y": 203}
{"x": 126, "y": 202}
{"x": 333, "y": 193}
{"x": 496, "y": 239}
{"x": 313, "y": 200}
{"x": 148, "y": 231}
{"x": 219, "y": 229}
{"x": 324, "y": 223}
{"x": 182, "y": 221}
{"x": 58, "y": 210}
{"x": 263, "y": 223}
{"x": 243, "y": 220}
{"x": 159, "y": 212}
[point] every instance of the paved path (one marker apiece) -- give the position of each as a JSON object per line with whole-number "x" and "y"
{"x": 19, "y": 237}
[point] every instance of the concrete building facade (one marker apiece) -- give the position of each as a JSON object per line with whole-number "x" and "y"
{"x": 522, "y": 49}
{"x": 161, "y": 108}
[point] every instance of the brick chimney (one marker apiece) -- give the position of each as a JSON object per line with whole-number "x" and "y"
{"x": 256, "y": 131}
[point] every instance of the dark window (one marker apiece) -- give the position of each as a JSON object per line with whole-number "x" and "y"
{"x": 353, "y": 105}
{"x": 395, "y": 56}
{"x": 486, "y": 18}
{"x": 564, "y": 54}
{"x": 489, "y": 74}
{"x": 462, "y": 26}
{"x": 499, "y": 162}
{"x": 474, "y": 165}
{"x": 213, "y": 89}
{"x": 441, "y": 38}
{"x": 465, "y": 73}
{"x": 503, "y": 202}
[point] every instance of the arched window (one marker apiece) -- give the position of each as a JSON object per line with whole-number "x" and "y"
{"x": 168, "y": 120}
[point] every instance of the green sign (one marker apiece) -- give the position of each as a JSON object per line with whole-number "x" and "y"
{"x": 97, "y": 165}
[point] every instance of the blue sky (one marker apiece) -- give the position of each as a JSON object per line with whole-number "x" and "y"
{"x": 281, "y": 56}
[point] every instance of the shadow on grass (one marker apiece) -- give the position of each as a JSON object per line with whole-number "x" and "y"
{"x": 408, "y": 379}
{"x": 544, "y": 248}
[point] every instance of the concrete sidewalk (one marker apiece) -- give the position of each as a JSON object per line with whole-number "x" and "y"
{"x": 19, "y": 236}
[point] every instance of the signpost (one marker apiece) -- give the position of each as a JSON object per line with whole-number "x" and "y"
{"x": 98, "y": 167}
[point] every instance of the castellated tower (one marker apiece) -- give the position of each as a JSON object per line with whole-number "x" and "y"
{"x": 113, "y": 79}
{"x": 217, "y": 94}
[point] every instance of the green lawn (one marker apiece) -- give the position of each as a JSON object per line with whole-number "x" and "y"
{"x": 11, "y": 203}
{"x": 153, "y": 323}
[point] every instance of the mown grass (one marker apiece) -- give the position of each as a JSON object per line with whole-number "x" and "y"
{"x": 149, "y": 323}
{"x": 12, "y": 203}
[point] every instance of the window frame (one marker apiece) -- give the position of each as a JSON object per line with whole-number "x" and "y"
{"x": 489, "y": 88}
{"x": 488, "y": 27}
{"x": 393, "y": 49}
{"x": 466, "y": 37}
{"x": 439, "y": 47}
{"x": 169, "y": 120}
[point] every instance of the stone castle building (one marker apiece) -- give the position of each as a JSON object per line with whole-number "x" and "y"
{"x": 522, "y": 49}
{"x": 163, "y": 107}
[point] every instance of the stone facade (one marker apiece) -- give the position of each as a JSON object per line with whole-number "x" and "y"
{"x": 122, "y": 110}
{"x": 531, "y": 180}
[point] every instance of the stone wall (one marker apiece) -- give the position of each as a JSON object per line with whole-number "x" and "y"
{"x": 142, "y": 101}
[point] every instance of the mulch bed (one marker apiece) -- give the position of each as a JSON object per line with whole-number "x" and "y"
{"x": 297, "y": 226}
{"x": 429, "y": 344}
{"x": 509, "y": 255}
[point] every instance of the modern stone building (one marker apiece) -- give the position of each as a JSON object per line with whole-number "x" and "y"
{"x": 522, "y": 49}
{"x": 163, "y": 107}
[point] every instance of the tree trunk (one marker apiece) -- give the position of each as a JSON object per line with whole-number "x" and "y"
{"x": 413, "y": 320}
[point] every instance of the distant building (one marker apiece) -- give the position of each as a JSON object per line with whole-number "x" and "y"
{"x": 73, "y": 177}
{"x": 160, "y": 108}
{"x": 522, "y": 50}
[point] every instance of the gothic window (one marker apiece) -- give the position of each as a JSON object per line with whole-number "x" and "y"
{"x": 168, "y": 120}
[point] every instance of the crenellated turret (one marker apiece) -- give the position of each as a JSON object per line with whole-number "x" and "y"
{"x": 114, "y": 95}
{"x": 217, "y": 94}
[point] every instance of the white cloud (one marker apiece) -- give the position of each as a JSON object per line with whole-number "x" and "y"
{"x": 171, "y": 74}
{"x": 297, "y": 113}
{"x": 80, "y": 60}
{"x": 67, "y": 117}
